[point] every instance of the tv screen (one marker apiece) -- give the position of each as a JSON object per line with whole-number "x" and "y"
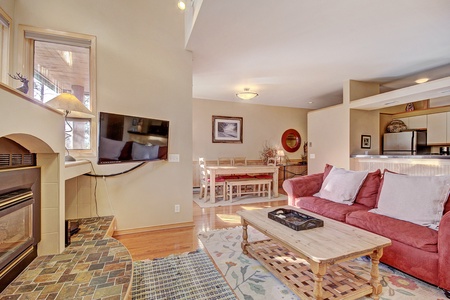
{"x": 131, "y": 139}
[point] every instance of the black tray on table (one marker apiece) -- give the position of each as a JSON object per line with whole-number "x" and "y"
{"x": 294, "y": 219}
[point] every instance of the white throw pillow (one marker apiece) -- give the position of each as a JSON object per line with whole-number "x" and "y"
{"x": 416, "y": 199}
{"x": 342, "y": 185}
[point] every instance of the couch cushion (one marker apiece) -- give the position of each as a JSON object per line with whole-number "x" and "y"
{"x": 417, "y": 199}
{"x": 405, "y": 232}
{"x": 329, "y": 209}
{"x": 342, "y": 185}
{"x": 368, "y": 193}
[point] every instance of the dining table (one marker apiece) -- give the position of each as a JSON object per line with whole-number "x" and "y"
{"x": 215, "y": 171}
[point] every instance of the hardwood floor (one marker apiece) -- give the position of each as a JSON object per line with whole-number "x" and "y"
{"x": 162, "y": 243}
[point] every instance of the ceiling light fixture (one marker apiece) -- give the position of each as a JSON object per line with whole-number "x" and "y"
{"x": 246, "y": 94}
{"x": 181, "y": 5}
{"x": 422, "y": 80}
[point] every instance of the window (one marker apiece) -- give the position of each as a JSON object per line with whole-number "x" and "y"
{"x": 61, "y": 62}
{"x": 5, "y": 33}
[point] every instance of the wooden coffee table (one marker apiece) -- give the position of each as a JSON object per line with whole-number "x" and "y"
{"x": 307, "y": 261}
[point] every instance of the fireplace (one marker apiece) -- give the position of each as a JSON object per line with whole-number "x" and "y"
{"x": 20, "y": 230}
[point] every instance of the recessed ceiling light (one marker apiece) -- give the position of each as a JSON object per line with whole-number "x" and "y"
{"x": 310, "y": 102}
{"x": 422, "y": 80}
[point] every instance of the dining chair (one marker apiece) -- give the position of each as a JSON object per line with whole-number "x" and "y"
{"x": 239, "y": 161}
{"x": 271, "y": 161}
{"x": 225, "y": 161}
{"x": 205, "y": 181}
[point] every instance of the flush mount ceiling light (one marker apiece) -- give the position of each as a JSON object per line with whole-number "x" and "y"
{"x": 422, "y": 80}
{"x": 246, "y": 94}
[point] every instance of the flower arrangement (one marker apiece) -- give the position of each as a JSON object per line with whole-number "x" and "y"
{"x": 267, "y": 152}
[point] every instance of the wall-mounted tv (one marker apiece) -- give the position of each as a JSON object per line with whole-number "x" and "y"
{"x": 131, "y": 139}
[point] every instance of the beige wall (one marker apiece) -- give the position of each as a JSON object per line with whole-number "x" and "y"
{"x": 142, "y": 70}
{"x": 364, "y": 122}
{"x": 261, "y": 123}
{"x": 328, "y": 131}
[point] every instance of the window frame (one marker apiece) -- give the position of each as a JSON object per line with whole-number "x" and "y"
{"x": 26, "y": 62}
{"x": 5, "y": 48}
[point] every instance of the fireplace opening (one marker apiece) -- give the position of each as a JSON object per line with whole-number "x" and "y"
{"x": 20, "y": 220}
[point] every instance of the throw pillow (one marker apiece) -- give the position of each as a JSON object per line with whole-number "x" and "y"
{"x": 416, "y": 199}
{"x": 110, "y": 149}
{"x": 381, "y": 183}
{"x": 144, "y": 152}
{"x": 327, "y": 170}
{"x": 341, "y": 185}
{"x": 368, "y": 193}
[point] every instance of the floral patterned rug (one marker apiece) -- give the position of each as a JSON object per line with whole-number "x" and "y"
{"x": 250, "y": 280}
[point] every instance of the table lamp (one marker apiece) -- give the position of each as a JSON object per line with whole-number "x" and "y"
{"x": 280, "y": 156}
{"x": 72, "y": 108}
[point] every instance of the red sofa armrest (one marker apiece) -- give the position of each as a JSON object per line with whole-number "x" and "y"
{"x": 302, "y": 186}
{"x": 444, "y": 251}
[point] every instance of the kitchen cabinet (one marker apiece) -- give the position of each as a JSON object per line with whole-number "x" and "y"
{"x": 438, "y": 132}
{"x": 416, "y": 122}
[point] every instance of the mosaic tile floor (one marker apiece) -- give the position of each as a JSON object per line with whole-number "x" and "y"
{"x": 94, "y": 266}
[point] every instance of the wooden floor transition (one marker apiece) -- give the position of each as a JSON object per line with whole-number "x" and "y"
{"x": 162, "y": 243}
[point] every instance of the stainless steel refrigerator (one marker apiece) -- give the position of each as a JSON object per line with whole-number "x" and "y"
{"x": 405, "y": 143}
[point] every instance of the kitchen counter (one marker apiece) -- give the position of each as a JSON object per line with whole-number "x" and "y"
{"x": 437, "y": 156}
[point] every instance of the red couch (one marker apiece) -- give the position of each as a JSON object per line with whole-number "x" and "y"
{"x": 417, "y": 250}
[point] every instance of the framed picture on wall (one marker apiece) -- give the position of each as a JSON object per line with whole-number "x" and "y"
{"x": 366, "y": 141}
{"x": 227, "y": 129}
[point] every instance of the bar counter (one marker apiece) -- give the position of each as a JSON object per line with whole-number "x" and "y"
{"x": 425, "y": 165}
{"x": 428, "y": 156}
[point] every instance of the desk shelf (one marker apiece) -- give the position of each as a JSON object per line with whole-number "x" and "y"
{"x": 76, "y": 168}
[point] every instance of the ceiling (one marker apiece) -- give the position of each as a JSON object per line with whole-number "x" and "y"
{"x": 299, "y": 53}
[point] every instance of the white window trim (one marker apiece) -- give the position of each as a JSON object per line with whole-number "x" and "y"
{"x": 25, "y": 60}
{"x": 6, "y": 21}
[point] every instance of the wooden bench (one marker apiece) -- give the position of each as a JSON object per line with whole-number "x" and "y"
{"x": 261, "y": 186}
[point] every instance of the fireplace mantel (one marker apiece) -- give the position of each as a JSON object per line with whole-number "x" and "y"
{"x": 40, "y": 130}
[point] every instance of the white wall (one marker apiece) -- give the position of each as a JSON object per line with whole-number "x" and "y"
{"x": 261, "y": 123}
{"x": 142, "y": 70}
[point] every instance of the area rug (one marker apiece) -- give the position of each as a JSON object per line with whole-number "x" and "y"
{"x": 250, "y": 280}
{"x": 189, "y": 276}
{"x": 247, "y": 199}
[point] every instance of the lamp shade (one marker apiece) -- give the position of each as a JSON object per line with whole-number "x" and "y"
{"x": 280, "y": 153}
{"x": 70, "y": 104}
{"x": 246, "y": 94}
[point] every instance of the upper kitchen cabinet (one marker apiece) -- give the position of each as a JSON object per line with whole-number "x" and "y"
{"x": 416, "y": 122}
{"x": 438, "y": 128}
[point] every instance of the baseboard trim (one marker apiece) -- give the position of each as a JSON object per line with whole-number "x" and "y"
{"x": 154, "y": 228}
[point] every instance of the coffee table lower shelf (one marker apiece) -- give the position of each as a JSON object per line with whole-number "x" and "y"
{"x": 338, "y": 283}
